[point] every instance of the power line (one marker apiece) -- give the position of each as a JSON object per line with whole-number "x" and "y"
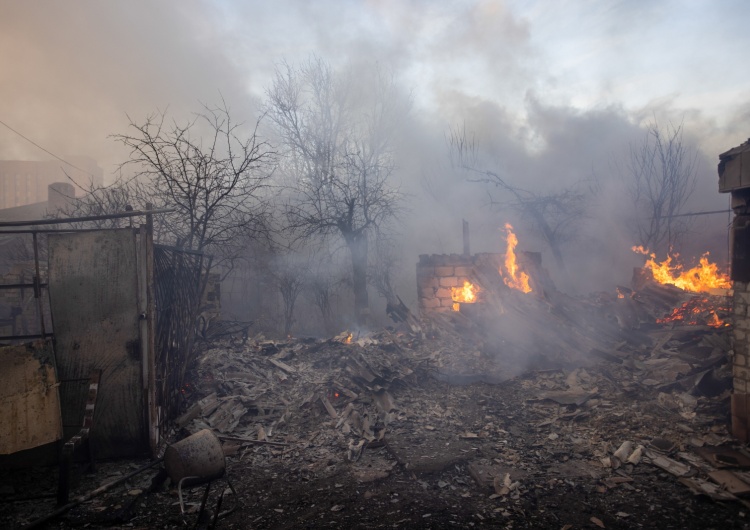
{"x": 46, "y": 151}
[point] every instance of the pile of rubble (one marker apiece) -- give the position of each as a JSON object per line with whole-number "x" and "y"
{"x": 614, "y": 420}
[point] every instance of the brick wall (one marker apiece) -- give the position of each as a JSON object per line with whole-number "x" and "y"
{"x": 741, "y": 368}
{"x": 438, "y": 274}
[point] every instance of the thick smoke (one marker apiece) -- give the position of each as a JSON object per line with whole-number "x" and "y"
{"x": 551, "y": 96}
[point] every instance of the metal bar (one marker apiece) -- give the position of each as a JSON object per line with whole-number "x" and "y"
{"x": 24, "y": 337}
{"x": 84, "y": 219}
{"x": 690, "y": 214}
{"x": 22, "y": 285}
{"x": 37, "y": 290}
{"x": 55, "y": 230}
{"x": 177, "y": 249}
{"x": 152, "y": 402}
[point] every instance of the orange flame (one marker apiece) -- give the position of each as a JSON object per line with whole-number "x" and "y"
{"x": 515, "y": 279}
{"x": 700, "y": 278}
{"x": 696, "y": 311}
{"x": 466, "y": 294}
{"x": 348, "y": 339}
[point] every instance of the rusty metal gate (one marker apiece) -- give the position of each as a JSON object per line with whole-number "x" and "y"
{"x": 179, "y": 280}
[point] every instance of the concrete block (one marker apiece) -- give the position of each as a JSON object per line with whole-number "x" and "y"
{"x": 449, "y": 281}
{"x": 463, "y": 271}
{"x": 445, "y": 271}
{"x": 427, "y": 282}
{"x": 429, "y": 303}
{"x": 739, "y": 386}
{"x": 443, "y": 292}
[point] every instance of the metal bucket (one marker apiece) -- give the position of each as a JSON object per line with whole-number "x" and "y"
{"x": 197, "y": 458}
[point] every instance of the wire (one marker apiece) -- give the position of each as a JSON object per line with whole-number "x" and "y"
{"x": 45, "y": 150}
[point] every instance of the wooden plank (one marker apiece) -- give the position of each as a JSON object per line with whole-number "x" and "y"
{"x": 93, "y": 295}
{"x": 282, "y": 366}
{"x": 730, "y": 482}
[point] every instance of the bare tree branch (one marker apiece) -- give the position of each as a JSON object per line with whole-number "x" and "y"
{"x": 338, "y": 156}
{"x": 662, "y": 171}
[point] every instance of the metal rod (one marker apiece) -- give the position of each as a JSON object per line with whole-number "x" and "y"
{"x": 37, "y": 291}
{"x": 84, "y": 219}
{"x": 178, "y": 249}
{"x": 690, "y": 214}
{"x": 22, "y": 285}
{"x": 54, "y": 230}
{"x": 24, "y": 337}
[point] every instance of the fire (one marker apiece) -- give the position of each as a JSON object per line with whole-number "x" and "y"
{"x": 696, "y": 311}
{"x": 700, "y": 278}
{"x": 515, "y": 279}
{"x": 348, "y": 339}
{"x": 466, "y": 294}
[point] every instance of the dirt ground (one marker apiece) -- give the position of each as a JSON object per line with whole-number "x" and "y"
{"x": 478, "y": 455}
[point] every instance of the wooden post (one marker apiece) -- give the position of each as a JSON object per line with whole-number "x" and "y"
{"x": 146, "y": 310}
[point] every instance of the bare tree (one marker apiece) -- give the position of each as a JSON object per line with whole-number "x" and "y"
{"x": 337, "y": 139}
{"x": 211, "y": 171}
{"x": 289, "y": 273}
{"x": 384, "y": 266}
{"x": 553, "y": 215}
{"x": 662, "y": 171}
{"x": 326, "y": 279}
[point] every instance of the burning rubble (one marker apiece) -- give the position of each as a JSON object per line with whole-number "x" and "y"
{"x": 600, "y": 394}
{"x": 678, "y": 286}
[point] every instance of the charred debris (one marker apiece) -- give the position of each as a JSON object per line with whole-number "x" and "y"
{"x": 491, "y": 409}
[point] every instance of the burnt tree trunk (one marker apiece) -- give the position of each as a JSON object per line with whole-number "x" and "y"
{"x": 358, "y": 247}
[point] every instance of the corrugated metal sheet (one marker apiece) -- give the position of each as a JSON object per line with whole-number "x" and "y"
{"x": 94, "y": 299}
{"x": 29, "y": 399}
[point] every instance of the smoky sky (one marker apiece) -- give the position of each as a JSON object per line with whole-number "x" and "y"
{"x": 553, "y": 93}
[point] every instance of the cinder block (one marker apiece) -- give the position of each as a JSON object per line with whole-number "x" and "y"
{"x": 740, "y": 359}
{"x": 429, "y": 303}
{"x": 739, "y": 335}
{"x": 443, "y": 292}
{"x": 427, "y": 292}
{"x": 446, "y": 302}
{"x": 428, "y": 282}
{"x": 449, "y": 281}
{"x": 739, "y": 372}
{"x": 739, "y": 386}
{"x": 463, "y": 271}
{"x": 445, "y": 271}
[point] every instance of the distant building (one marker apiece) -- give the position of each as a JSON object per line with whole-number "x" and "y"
{"x": 26, "y": 182}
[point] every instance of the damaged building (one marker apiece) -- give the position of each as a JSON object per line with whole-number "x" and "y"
{"x": 498, "y": 402}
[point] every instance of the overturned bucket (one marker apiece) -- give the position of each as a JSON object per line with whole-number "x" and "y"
{"x": 197, "y": 458}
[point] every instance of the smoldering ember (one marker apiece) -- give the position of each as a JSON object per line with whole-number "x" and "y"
{"x": 446, "y": 264}
{"x": 129, "y": 401}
